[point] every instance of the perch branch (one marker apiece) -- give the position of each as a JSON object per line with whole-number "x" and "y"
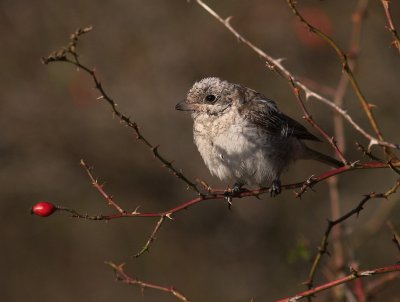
{"x": 216, "y": 194}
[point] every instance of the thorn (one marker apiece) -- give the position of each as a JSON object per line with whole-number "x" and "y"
{"x": 169, "y": 216}
{"x": 135, "y": 211}
{"x": 308, "y": 94}
{"x": 155, "y": 150}
{"x": 87, "y": 29}
{"x": 367, "y": 273}
{"x": 354, "y": 164}
{"x": 354, "y": 271}
{"x": 227, "y": 20}
{"x": 229, "y": 201}
{"x": 280, "y": 60}
{"x": 100, "y": 97}
{"x": 371, "y": 106}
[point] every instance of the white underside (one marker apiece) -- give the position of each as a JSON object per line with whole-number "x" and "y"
{"x": 237, "y": 152}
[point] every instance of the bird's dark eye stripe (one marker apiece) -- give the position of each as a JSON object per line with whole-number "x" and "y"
{"x": 211, "y": 98}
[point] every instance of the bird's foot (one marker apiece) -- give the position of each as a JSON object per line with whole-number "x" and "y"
{"x": 235, "y": 191}
{"x": 275, "y": 188}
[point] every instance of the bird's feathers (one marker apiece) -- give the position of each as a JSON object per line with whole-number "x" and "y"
{"x": 264, "y": 113}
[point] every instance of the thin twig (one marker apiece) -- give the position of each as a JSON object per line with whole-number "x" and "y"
{"x": 69, "y": 55}
{"x": 338, "y": 256}
{"x": 152, "y": 237}
{"x": 391, "y": 27}
{"x": 375, "y": 286}
{"x": 99, "y": 187}
{"x": 308, "y": 117}
{"x": 368, "y": 153}
{"x": 276, "y": 65}
{"x": 354, "y": 275}
{"x": 122, "y": 276}
{"x": 395, "y": 235}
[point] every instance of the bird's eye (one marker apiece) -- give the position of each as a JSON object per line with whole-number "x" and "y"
{"x": 210, "y": 98}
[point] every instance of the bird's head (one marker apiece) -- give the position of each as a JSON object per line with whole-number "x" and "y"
{"x": 211, "y": 96}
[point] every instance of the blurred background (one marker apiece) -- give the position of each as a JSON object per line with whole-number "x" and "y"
{"x": 148, "y": 54}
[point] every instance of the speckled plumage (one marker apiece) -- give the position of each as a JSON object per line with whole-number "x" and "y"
{"x": 242, "y": 136}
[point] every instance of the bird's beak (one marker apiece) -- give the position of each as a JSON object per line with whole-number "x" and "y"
{"x": 183, "y": 106}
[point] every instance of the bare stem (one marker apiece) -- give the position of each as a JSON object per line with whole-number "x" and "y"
{"x": 122, "y": 276}
{"x": 152, "y": 237}
{"x": 391, "y": 27}
{"x": 354, "y": 275}
{"x": 99, "y": 187}
{"x": 308, "y": 117}
{"x": 217, "y": 194}
{"x": 338, "y": 254}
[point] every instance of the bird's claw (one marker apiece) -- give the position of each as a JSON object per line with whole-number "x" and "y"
{"x": 236, "y": 190}
{"x": 275, "y": 188}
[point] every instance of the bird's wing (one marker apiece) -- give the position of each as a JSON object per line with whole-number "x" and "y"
{"x": 265, "y": 113}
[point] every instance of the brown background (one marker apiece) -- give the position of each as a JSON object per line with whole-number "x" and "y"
{"x": 148, "y": 54}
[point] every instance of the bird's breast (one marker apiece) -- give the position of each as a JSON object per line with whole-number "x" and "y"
{"x": 234, "y": 152}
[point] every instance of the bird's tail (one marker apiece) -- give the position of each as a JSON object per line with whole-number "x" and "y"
{"x": 312, "y": 154}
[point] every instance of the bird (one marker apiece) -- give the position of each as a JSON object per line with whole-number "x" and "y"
{"x": 243, "y": 137}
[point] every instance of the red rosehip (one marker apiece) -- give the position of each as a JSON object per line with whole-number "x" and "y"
{"x": 43, "y": 209}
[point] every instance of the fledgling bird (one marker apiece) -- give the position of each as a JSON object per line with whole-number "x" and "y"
{"x": 242, "y": 136}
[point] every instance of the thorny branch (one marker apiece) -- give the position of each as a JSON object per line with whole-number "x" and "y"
{"x": 99, "y": 187}
{"x": 308, "y": 117}
{"x": 395, "y": 236}
{"x": 322, "y": 249}
{"x": 354, "y": 275}
{"x": 391, "y": 27}
{"x": 69, "y": 55}
{"x": 338, "y": 259}
{"x": 152, "y": 237}
{"x": 217, "y": 194}
{"x": 122, "y": 276}
{"x": 276, "y": 65}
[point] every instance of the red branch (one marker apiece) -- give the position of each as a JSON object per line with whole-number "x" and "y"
{"x": 311, "y": 121}
{"x": 99, "y": 187}
{"x": 121, "y": 275}
{"x": 353, "y": 276}
{"x": 222, "y": 194}
{"x": 392, "y": 29}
